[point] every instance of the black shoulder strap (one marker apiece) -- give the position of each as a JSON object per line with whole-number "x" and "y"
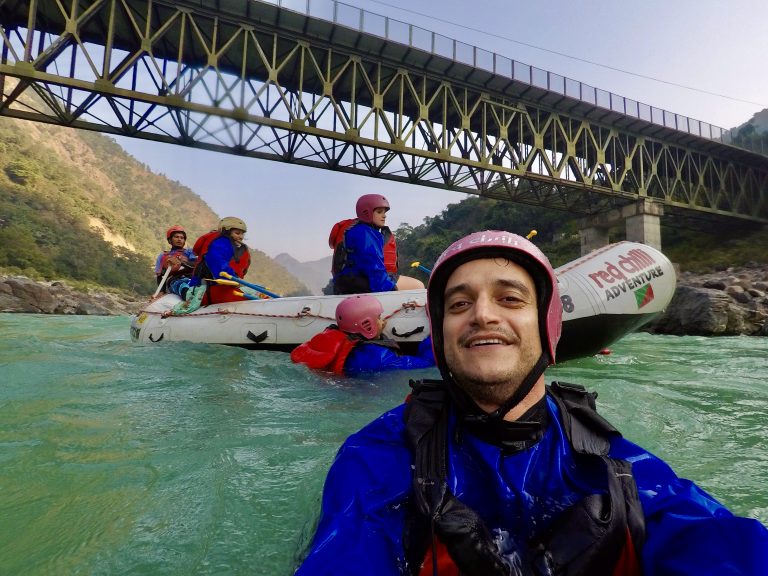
{"x": 339, "y": 259}
{"x": 427, "y": 436}
{"x": 590, "y": 435}
{"x": 601, "y": 521}
{"x": 384, "y": 343}
{"x": 426, "y": 419}
{"x": 587, "y": 431}
{"x": 435, "y": 510}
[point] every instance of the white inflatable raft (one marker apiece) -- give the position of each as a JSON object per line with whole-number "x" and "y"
{"x": 606, "y": 294}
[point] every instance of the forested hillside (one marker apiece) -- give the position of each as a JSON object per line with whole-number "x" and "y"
{"x": 753, "y": 134}
{"x": 75, "y": 206}
{"x": 557, "y": 233}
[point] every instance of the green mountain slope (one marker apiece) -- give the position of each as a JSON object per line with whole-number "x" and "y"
{"x": 556, "y": 232}
{"x": 75, "y": 206}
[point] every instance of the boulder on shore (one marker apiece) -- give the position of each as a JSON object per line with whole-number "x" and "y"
{"x": 727, "y": 303}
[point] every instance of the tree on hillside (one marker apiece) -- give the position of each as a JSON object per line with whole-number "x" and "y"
{"x": 556, "y": 231}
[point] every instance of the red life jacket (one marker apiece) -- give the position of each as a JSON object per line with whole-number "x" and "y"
{"x": 628, "y": 563}
{"x": 336, "y": 242}
{"x": 201, "y": 244}
{"x": 178, "y": 268}
{"x": 216, "y": 294}
{"x": 325, "y": 351}
{"x": 239, "y": 265}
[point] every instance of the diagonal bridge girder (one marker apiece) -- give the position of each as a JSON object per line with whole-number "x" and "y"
{"x": 270, "y": 83}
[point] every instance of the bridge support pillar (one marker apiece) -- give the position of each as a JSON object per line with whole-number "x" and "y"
{"x": 592, "y": 238}
{"x": 641, "y": 219}
{"x": 645, "y": 224}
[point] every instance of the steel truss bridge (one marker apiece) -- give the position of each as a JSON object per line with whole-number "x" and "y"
{"x": 331, "y": 86}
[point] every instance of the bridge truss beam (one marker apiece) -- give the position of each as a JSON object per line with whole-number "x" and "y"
{"x": 186, "y": 73}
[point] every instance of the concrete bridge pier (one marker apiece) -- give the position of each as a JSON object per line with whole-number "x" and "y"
{"x": 642, "y": 220}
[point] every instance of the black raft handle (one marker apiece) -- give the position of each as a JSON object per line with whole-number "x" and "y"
{"x": 407, "y": 334}
{"x": 258, "y": 339}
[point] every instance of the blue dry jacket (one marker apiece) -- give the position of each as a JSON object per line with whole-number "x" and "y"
{"x": 367, "y": 489}
{"x": 365, "y": 257}
{"x": 217, "y": 257}
{"x": 369, "y": 356}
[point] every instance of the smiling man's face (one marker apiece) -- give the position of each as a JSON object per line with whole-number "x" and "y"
{"x": 490, "y": 329}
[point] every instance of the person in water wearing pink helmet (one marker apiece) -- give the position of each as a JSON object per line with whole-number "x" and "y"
{"x": 489, "y": 471}
{"x": 365, "y": 253}
{"x": 178, "y": 262}
{"x": 356, "y": 343}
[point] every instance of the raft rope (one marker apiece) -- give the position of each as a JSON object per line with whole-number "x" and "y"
{"x": 306, "y": 312}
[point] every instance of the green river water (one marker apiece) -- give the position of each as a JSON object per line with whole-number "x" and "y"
{"x": 201, "y": 459}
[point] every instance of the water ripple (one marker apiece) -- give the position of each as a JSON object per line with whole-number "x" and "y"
{"x": 201, "y": 459}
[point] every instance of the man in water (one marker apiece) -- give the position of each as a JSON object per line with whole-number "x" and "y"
{"x": 489, "y": 471}
{"x": 356, "y": 343}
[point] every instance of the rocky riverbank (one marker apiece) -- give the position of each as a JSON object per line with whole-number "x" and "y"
{"x": 21, "y": 294}
{"x": 724, "y": 303}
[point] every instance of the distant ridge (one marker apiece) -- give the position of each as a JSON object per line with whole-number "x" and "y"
{"x": 315, "y": 274}
{"x": 759, "y": 122}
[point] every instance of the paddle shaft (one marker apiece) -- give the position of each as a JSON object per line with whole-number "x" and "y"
{"x": 254, "y": 286}
{"x": 162, "y": 282}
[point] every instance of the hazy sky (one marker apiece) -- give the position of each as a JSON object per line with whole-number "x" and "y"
{"x": 713, "y": 46}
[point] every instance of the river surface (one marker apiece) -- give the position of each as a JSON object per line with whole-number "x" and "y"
{"x": 203, "y": 459}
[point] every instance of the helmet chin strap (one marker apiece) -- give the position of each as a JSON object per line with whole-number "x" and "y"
{"x": 474, "y": 414}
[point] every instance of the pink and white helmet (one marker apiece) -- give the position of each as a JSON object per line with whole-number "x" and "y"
{"x": 497, "y": 244}
{"x": 359, "y": 314}
{"x": 367, "y": 203}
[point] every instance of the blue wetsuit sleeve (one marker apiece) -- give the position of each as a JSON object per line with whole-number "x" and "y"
{"x": 191, "y": 256}
{"x": 159, "y": 260}
{"x": 366, "y": 245}
{"x": 425, "y": 350}
{"x": 363, "y": 505}
{"x": 217, "y": 257}
{"x": 370, "y": 357}
{"x": 688, "y": 532}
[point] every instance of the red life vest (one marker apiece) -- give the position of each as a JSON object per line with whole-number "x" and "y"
{"x": 201, "y": 244}
{"x": 215, "y": 293}
{"x": 336, "y": 242}
{"x": 627, "y": 565}
{"x": 239, "y": 265}
{"x": 325, "y": 351}
{"x": 176, "y": 269}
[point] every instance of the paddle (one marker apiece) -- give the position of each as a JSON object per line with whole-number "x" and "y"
{"x": 162, "y": 282}
{"x": 420, "y": 267}
{"x": 531, "y": 234}
{"x": 249, "y": 285}
{"x": 250, "y": 296}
